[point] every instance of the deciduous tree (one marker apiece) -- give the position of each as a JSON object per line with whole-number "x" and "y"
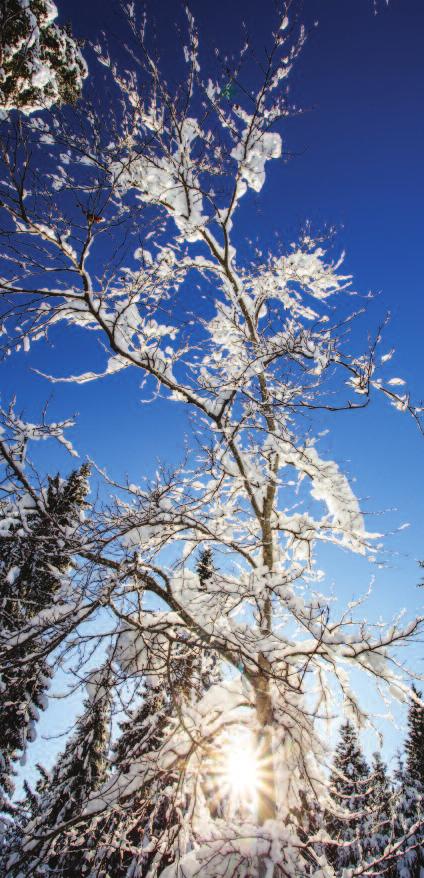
{"x": 114, "y": 239}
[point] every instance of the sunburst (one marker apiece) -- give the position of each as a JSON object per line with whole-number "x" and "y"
{"x": 240, "y": 771}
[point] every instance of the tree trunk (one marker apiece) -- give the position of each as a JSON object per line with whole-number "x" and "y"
{"x": 267, "y": 806}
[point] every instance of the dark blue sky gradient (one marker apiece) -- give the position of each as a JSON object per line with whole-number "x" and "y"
{"x": 356, "y": 162}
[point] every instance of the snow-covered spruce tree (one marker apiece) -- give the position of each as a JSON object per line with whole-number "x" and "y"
{"x": 406, "y": 852}
{"x": 204, "y": 567}
{"x": 141, "y": 828}
{"x": 381, "y": 803}
{"x": 414, "y": 744}
{"x": 38, "y": 538}
{"x": 79, "y": 770}
{"x": 348, "y": 823}
{"x": 208, "y": 665}
{"x": 408, "y": 825}
{"x": 24, "y": 811}
{"x": 40, "y": 63}
{"x": 139, "y": 836}
{"x": 164, "y": 180}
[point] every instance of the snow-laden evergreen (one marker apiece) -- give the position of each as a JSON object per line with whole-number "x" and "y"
{"x": 140, "y": 835}
{"x": 350, "y": 793}
{"x": 142, "y": 827}
{"x": 50, "y": 843}
{"x": 414, "y": 744}
{"x": 382, "y": 806}
{"x": 38, "y": 539}
{"x": 374, "y": 822}
{"x": 409, "y": 806}
{"x": 40, "y": 63}
{"x": 406, "y": 858}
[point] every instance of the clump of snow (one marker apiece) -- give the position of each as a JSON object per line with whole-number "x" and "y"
{"x": 252, "y": 157}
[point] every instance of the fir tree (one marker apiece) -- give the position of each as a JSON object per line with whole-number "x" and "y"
{"x": 381, "y": 806}
{"x": 409, "y": 805}
{"x": 407, "y": 831}
{"x": 80, "y": 770}
{"x": 205, "y": 567}
{"x": 116, "y": 844}
{"x": 350, "y": 794}
{"x": 414, "y": 747}
{"x": 41, "y": 63}
{"x": 140, "y": 832}
{"x": 414, "y": 744}
{"x": 24, "y": 811}
{"x": 33, "y": 560}
{"x": 210, "y": 665}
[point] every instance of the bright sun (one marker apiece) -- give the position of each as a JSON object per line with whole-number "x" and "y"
{"x": 241, "y": 770}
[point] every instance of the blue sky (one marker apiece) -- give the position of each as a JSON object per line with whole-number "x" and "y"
{"x": 356, "y": 162}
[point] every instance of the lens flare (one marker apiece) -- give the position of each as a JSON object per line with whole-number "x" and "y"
{"x": 236, "y": 774}
{"x": 241, "y": 766}
{"x": 240, "y": 771}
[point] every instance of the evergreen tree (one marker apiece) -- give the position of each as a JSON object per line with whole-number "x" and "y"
{"x": 41, "y": 64}
{"x": 349, "y": 791}
{"x": 126, "y": 840}
{"x": 79, "y": 770}
{"x": 24, "y": 811}
{"x": 205, "y": 567}
{"x": 381, "y": 790}
{"x": 409, "y": 806}
{"x": 139, "y": 833}
{"x": 381, "y": 805}
{"x": 414, "y": 748}
{"x": 414, "y": 744}
{"x": 210, "y": 665}
{"x": 408, "y": 858}
{"x": 33, "y": 560}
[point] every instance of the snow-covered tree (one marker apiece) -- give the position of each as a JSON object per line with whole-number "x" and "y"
{"x": 141, "y": 828}
{"x": 414, "y": 744}
{"x": 40, "y": 63}
{"x": 348, "y": 823}
{"x": 164, "y": 179}
{"x": 407, "y": 846}
{"x": 204, "y": 567}
{"x": 79, "y": 770}
{"x": 140, "y": 835}
{"x": 38, "y": 538}
{"x": 408, "y": 827}
{"x": 381, "y": 803}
